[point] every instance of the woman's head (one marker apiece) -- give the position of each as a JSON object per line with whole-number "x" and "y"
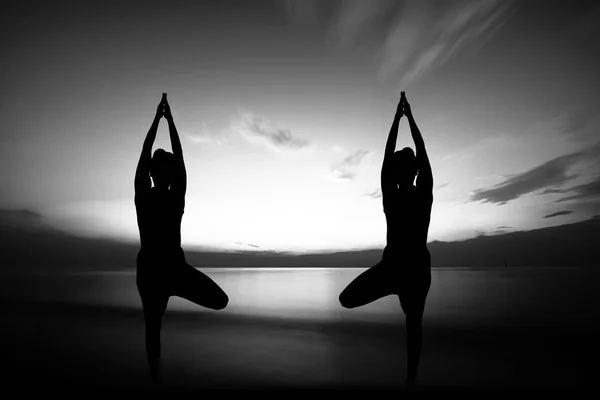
{"x": 162, "y": 168}
{"x": 405, "y": 166}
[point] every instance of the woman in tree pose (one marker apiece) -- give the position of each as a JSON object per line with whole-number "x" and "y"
{"x": 405, "y": 268}
{"x": 162, "y": 270}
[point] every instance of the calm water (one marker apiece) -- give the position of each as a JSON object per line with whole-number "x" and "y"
{"x": 517, "y": 296}
{"x": 529, "y": 327}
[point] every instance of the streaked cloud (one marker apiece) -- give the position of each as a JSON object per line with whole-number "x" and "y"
{"x": 581, "y": 123}
{"x": 409, "y": 39}
{"x": 495, "y": 143}
{"x": 247, "y": 244}
{"x": 376, "y": 194}
{"x": 207, "y": 134}
{"x": 548, "y": 176}
{"x": 347, "y": 169}
{"x": 586, "y": 191}
{"x": 503, "y": 229}
{"x": 416, "y": 44}
{"x": 260, "y": 130}
{"x": 558, "y": 213}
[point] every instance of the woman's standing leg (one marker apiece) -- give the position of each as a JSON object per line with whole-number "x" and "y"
{"x": 413, "y": 308}
{"x": 154, "y": 304}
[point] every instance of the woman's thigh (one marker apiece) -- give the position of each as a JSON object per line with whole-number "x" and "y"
{"x": 195, "y": 286}
{"x": 369, "y": 286}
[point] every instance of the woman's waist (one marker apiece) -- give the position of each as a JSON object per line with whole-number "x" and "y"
{"x": 407, "y": 252}
{"x": 160, "y": 252}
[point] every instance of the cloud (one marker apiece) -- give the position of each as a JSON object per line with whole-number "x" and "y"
{"x": 260, "y": 130}
{"x": 441, "y": 186}
{"x": 558, "y": 213}
{"x": 464, "y": 24}
{"x": 347, "y": 169}
{"x": 579, "y": 120}
{"x": 247, "y": 244}
{"x": 580, "y": 123}
{"x": 376, "y": 194}
{"x": 552, "y": 191}
{"x": 503, "y": 229}
{"x": 408, "y": 39}
{"x": 585, "y": 191}
{"x": 495, "y": 143}
{"x": 206, "y": 135}
{"x": 548, "y": 176}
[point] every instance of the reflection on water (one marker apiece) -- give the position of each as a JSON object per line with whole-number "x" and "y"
{"x": 531, "y": 295}
{"x": 526, "y": 326}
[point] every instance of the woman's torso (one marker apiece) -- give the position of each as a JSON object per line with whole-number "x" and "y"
{"x": 408, "y": 214}
{"x": 159, "y": 215}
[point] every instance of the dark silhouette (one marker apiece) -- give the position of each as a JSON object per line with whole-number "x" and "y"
{"x": 162, "y": 270}
{"x": 405, "y": 268}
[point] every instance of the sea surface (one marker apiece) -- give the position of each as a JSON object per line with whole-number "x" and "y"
{"x": 518, "y": 328}
{"x": 458, "y": 296}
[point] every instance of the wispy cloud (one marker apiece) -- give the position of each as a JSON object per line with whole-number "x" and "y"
{"x": 205, "y": 135}
{"x": 409, "y": 38}
{"x": 463, "y": 24}
{"x": 581, "y": 123}
{"x": 247, "y": 244}
{"x": 585, "y": 191}
{"x": 503, "y": 229}
{"x": 496, "y": 143}
{"x": 549, "y": 176}
{"x": 347, "y": 169}
{"x": 552, "y": 191}
{"x": 558, "y": 213}
{"x": 376, "y": 194}
{"x": 260, "y": 130}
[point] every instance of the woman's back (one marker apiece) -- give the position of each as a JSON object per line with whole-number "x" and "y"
{"x": 407, "y": 213}
{"x": 159, "y": 214}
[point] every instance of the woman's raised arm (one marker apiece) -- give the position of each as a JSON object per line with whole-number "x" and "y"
{"x": 388, "y": 184}
{"x": 180, "y": 182}
{"x": 425, "y": 176}
{"x": 142, "y": 172}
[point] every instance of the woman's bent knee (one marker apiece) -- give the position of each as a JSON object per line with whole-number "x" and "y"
{"x": 345, "y": 300}
{"x": 221, "y": 302}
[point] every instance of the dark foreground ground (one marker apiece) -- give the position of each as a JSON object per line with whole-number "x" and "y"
{"x": 90, "y": 350}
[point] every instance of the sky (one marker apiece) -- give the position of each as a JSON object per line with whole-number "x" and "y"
{"x": 284, "y": 107}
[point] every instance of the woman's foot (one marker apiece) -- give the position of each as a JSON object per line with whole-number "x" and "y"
{"x": 410, "y": 380}
{"x": 155, "y": 367}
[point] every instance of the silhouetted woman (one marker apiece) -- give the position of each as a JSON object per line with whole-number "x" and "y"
{"x": 405, "y": 268}
{"x": 162, "y": 270}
